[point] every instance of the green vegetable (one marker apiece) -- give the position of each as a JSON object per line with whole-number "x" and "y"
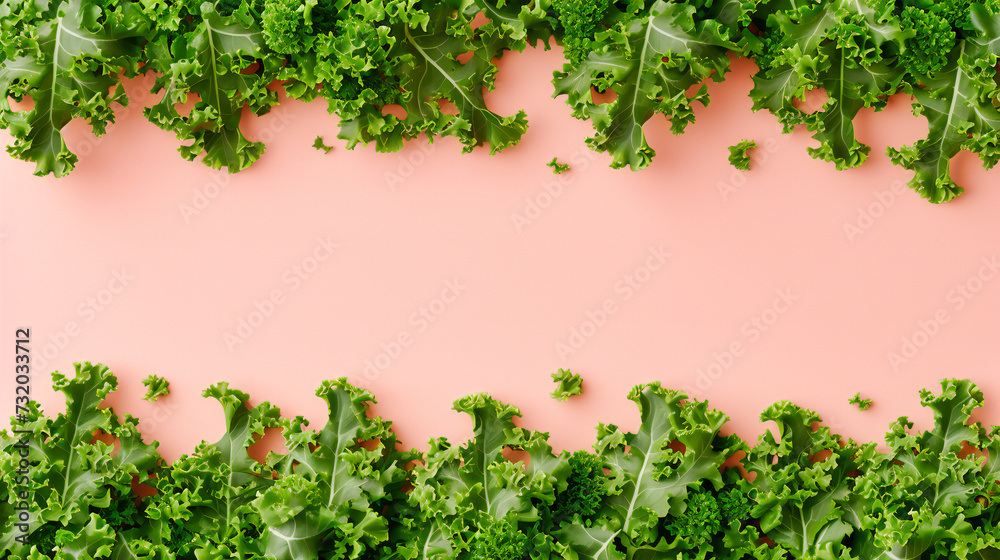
{"x": 223, "y": 63}
{"x": 933, "y": 40}
{"x": 655, "y": 61}
{"x": 959, "y": 117}
{"x": 580, "y": 20}
{"x": 428, "y": 43}
{"x": 734, "y": 505}
{"x": 499, "y": 540}
{"x": 284, "y": 24}
{"x": 739, "y": 155}
{"x": 218, "y": 62}
{"x": 349, "y": 491}
{"x": 204, "y": 501}
{"x": 802, "y": 504}
{"x": 708, "y": 515}
{"x": 653, "y": 480}
{"x": 928, "y": 492}
{"x": 586, "y": 486}
{"x": 80, "y": 486}
{"x": 567, "y": 384}
{"x": 156, "y": 387}
{"x": 68, "y": 57}
{"x": 863, "y": 404}
{"x": 557, "y": 167}
{"x": 700, "y": 521}
{"x": 321, "y": 146}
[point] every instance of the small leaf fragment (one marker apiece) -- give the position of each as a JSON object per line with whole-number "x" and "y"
{"x": 156, "y": 387}
{"x": 567, "y": 384}
{"x": 320, "y": 145}
{"x": 739, "y": 155}
{"x": 557, "y": 167}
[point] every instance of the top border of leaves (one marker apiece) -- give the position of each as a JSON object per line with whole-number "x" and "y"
{"x": 212, "y": 62}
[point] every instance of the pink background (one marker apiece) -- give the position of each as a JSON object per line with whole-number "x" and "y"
{"x": 200, "y": 255}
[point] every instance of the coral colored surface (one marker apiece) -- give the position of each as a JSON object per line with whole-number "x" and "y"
{"x": 503, "y": 284}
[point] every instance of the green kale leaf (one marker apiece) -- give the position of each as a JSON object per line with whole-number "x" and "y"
{"x": 862, "y": 404}
{"x": 739, "y": 155}
{"x": 567, "y": 382}
{"x": 68, "y": 57}
{"x": 156, "y": 387}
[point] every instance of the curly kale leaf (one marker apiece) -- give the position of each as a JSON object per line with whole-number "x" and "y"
{"x": 567, "y": 382}
{"x": 958, "y": 102}
{"x": 205, "y": 57}
{"x": 840, "y": 46}
{"x": 805, "y": 483}
{"x": 456, "y": 488}
{"x": 734, "y": 505}
{"x": 558, "y": 168}
{"x": 739, "y": 155}
{"x": 926, "y": 492}
{"x": 208, "y": 495}
{"x": 526, "y": 21}
{"x": 701, "y": 520}
{"x": 850, "y": 87}
{"x": 320, "y": 145}
{"x": 650, "y": 62}
{"x": 580, "y": 21}
{"x": 333, "y": 485}
{"x": 297, "y": 522}
{"x": 428, "y": 43}
{"x": 78, "y": 482}
{"x": 156, "y": 387}
{"x": 346, "y": 62}
{"x": 934, "y": 39}
{"x": 499, "y": 539}
{"x": 586, "y": 487}
{"x": 282, "y": 23}
{"x": 67, "y": 56}
{"x": 649, "y": 477}
{"x": 862, "y": 404}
